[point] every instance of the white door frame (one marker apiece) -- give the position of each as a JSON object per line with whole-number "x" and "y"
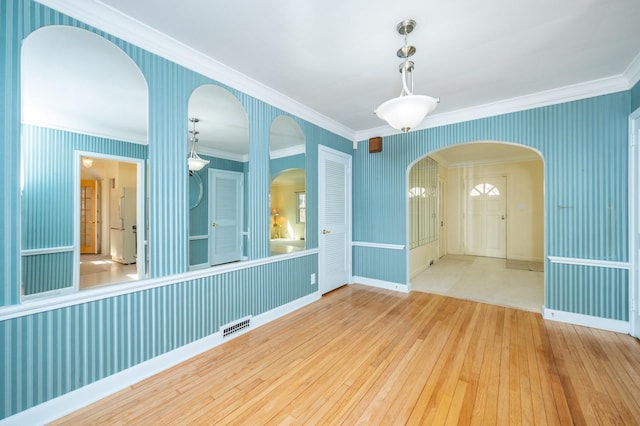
{"x": 322, "y": 151}
{"x": 634, "y": 225}
{"x": 239, "y": 176}
{"x": 141, "y": 198}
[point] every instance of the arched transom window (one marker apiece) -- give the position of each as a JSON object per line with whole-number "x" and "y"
{"x": 484, "y": 189}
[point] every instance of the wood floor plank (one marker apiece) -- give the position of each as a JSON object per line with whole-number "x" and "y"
{"x": 515, "y": 397}
{"x": 502, "y": 415}
{"x": 538, "y": 384}
{"x": 426, "y": 403}
{"x": 627, "y": 374}
{"x": 442, "y": 403}
{"x": 556, "y": 410}
{"x": 471, "y": 367}
{"x": 370, "y": 356}
{"x": 572, "y": 374}
{"x": 606, "y": 379}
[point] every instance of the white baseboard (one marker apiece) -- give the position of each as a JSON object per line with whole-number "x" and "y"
{"x": 586, "y": 320}
{"x": 65, "y": 404}
{"x": 388, "y": 285}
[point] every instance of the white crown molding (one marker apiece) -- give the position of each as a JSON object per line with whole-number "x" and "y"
{"x": 105, "y": 18}
{"x": 242, "y": 158}
{"x": 632, "y": 73}
{"x": 112, "y": 21}
{"x": 287, "y": 152}
{"x": 574, "y": 92}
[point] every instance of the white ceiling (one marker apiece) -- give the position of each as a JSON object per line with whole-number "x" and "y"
{"x": 75, "y": 80}
{"x": 336, "y": 60}
{"x": 223, "y": 127}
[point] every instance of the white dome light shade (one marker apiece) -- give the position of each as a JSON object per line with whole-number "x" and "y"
{"x": 406, "y": 112}
{"x": 196, "y": 163}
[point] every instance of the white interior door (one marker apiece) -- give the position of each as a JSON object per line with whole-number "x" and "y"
{"x": 334, "y": 219}
{"x": 485, "y": 217}
{"x": 225, "y": 216}
{"x": 634, "y": 222}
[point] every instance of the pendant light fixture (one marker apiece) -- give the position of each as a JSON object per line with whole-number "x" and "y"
{"x": 87, "y": 162}
{"x": 195, "y": 162}
{"x": 407, "y": 110}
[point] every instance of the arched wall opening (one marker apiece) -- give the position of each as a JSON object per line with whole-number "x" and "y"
{"x": 475, "y": 222}
{"x": 82, "y": 96}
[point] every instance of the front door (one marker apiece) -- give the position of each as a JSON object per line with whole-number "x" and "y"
{"x": 225, "y": 216}
{"x": 334, "y": 219}
{"x": 485, "y": 217}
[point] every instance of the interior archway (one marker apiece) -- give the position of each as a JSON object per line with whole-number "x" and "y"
{"x": 479, "y": 210}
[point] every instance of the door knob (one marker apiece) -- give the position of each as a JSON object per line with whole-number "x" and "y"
{"x": 213, "y": 225}
{"x": 325, "y": 231}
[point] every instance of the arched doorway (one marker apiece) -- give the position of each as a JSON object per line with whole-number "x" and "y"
{"x": 486, "y": 221}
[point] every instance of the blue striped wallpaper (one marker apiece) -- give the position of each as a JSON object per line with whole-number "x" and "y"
{"x": 198, "y": 252}
{"x": 279, "y": 165}
{"x": 48, "y": 354}
{"x": 11, "y": 33}
{"x": 588, "y": 290}
{"x": 584, "y": 147}
{"x": 57, "y": 351}
{"x": 380, "y": 264}
{"x": 47, "y": 272}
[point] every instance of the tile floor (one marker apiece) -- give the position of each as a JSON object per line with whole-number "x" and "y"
{"x": 483, "y": 279}
{"x": 97, "y": 270}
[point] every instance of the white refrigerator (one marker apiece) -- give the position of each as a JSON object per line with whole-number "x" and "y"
{"x": 123, "y": 225}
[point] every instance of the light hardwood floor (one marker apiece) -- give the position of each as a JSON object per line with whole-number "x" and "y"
{"x": 370, "y": 356}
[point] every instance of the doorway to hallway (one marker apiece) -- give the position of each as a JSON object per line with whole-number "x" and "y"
{"x": 493, "y": 224}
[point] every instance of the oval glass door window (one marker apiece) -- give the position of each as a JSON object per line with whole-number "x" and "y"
{"x": 196, "y": 189}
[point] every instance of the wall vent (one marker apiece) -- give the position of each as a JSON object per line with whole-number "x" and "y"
{"x": 235, "y": 326}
